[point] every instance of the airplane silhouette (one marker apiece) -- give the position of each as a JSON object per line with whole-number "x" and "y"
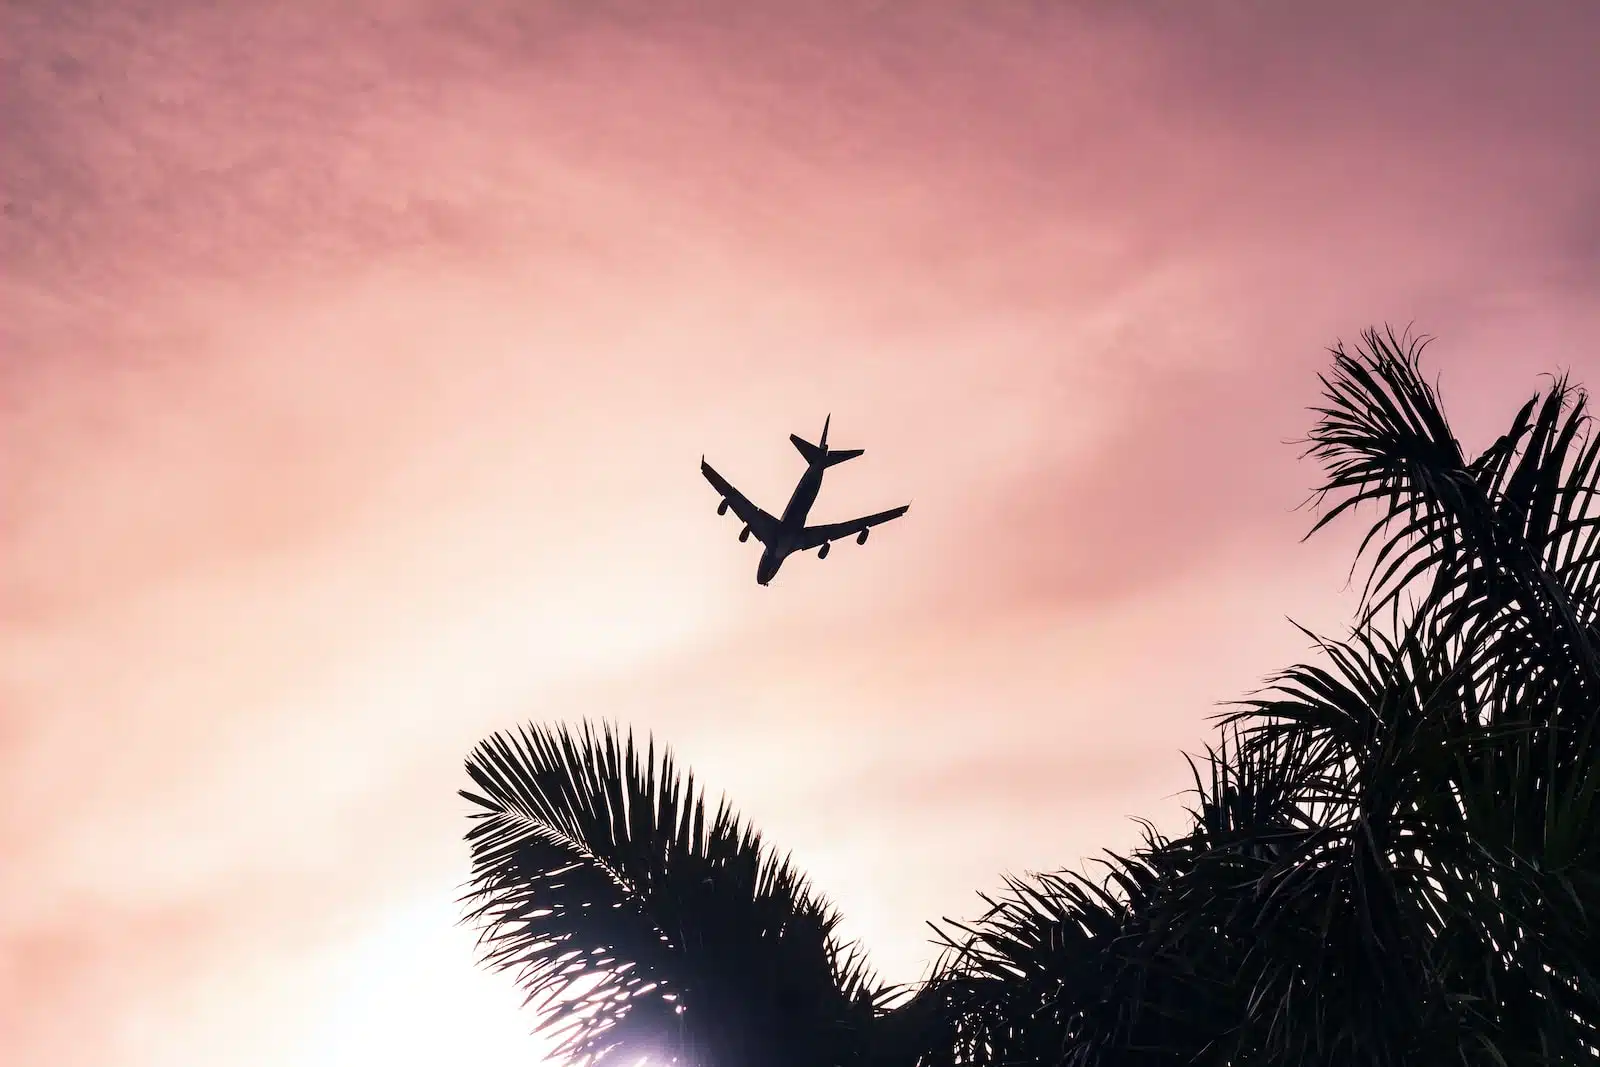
{"x": 789, "y": 534}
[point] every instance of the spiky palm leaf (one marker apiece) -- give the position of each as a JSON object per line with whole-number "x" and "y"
{"x": 1396, "y": 857}
{"x": 1034, "y": 981}
{"x": 1511, "y": 538}
{"x": 1454, "y": 765}
{"x": 1506, "y": 563}
{"x": 1348, "y": 920}
{"x": 645, "y": 923}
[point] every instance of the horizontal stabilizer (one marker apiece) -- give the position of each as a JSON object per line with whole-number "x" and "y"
{"x": 807, "y": 449}
{"x": 839, "y": 455}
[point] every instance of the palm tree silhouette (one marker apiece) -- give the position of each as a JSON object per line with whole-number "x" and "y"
{"x": 649, "y": 924}
{"x": 1393, "y": 856}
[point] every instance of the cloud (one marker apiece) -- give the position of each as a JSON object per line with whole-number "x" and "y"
{"x": 355, "y": 363}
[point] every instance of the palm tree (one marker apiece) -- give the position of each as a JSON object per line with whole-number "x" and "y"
{"x": 1395, "y": 854}
{"x": 646, "y": 924}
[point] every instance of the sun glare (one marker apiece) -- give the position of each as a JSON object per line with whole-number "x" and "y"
{"x": 408, "y": 993}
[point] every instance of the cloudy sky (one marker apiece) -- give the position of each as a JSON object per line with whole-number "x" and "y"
{"x": 357, "y": 361}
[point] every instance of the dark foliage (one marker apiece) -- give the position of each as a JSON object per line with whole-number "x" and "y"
{"x": 1393, "y": 857}
{"x": 643, "y": 922}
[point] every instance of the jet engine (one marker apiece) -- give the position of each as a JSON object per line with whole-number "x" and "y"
{"x": 861, "y": 538}
{"x": 744, "y": 534}
{"x": 722, "y": 508}
{"x": 822, "y": 553}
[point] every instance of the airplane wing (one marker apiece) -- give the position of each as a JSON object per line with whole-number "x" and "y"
{"x": 812, "y": 536}
{"x": 761, "y": 524}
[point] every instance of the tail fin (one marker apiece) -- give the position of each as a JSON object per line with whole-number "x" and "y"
{"x": 812, "y": 452}
{"x": 820, "y": 452}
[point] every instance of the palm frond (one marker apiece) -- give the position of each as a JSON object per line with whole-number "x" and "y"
{"x": 1504, "y": 551}
{"x": 1393, "y": 854}
{"x": 642, "y": 920}
{"x": 1515, "y": 532}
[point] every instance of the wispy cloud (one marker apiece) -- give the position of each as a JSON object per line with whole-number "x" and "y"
{"x": 356, "y": 363}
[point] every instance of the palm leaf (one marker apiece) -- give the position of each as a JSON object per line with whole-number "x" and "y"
{"x": 1516, "y": 531}
{"x": 644, "y": 922}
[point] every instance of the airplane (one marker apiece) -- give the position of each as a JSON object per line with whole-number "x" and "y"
{"x": 789, "y": 534}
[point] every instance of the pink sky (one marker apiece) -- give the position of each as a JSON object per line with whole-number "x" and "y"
{"x": 356, "y": 367}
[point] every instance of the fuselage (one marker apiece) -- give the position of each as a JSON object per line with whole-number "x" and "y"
{"x": 791, "y": 523}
